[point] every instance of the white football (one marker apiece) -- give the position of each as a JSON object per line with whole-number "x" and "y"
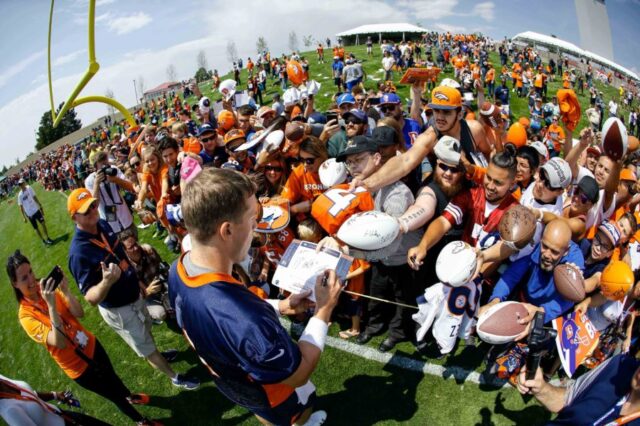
{"x": 227, "y": 88}
{"x": 456, "y": 263}
{"x": 499, "y": 324}
{"x": 614, "y": 138}
{"x": 369, "y": 230}
{"x": 332, "y": 173}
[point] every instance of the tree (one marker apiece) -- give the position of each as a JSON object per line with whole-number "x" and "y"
{"x": 46, "y": 134}
{"x": 232, "y": 51}
{"x": 172, "y": 74}
{"x": 293, "y": 41}
{"x": 202, "y": 60}
{"x": 109, "y": 94}
{"x": 203, "y": 75}
{"x": 261, "y": 45}
{"x": 140, "y": 86}
{"x": 307, "y": 40}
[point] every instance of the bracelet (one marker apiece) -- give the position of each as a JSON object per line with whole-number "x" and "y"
{"x": 315, "y": 333}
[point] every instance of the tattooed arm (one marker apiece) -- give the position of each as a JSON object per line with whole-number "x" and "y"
{"x": 420, "y": 212}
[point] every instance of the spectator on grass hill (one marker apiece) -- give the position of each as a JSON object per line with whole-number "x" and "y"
{"x": 31, "y": 209}
{"x": 50, "y": 317}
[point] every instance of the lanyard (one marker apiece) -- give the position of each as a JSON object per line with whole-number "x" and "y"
{"x": 621, "y": 420}
{"x": 30, "y": 396}
{"x": 104, "y": 244}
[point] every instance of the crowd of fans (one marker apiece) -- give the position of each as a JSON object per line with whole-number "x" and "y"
{"x": 442, "y": 170}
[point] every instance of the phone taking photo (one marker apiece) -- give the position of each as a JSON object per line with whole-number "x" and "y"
{"x": 56, "y": 276}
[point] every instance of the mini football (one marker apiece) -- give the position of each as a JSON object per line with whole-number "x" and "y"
{"x": 294, "y": 131}
{"x": 456, "y": 263}
{"x": 369, "y": 230}
{"x": 616, "y": 280}
{"x": 332, "y": 173}
{"x": 491, "y": 115}
{"x": 517, "y": 226}
{"x": 614, "y": 138}
{"x": 634, "y": 143}
{"x": 569, "y": 282}
{"x": 499, "y": 324}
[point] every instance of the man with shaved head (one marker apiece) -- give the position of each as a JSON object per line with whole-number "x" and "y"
{"x": 530, "y": 278}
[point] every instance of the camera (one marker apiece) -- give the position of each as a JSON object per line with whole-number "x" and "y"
{"x": 109, "y": 171}
{"x": 539, "y": 342}
{"x": 174, "y": 214}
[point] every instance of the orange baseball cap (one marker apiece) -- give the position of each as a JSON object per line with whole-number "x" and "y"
{"x": 444, "y": 97}
{"x": 79, "y": 201}
{"x": 233, "y": 135}
{"x": 226, "y": 120}
{"x": 627, "y": 174}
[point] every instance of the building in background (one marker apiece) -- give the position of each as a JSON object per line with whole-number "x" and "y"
{"x": 595, "y": 31}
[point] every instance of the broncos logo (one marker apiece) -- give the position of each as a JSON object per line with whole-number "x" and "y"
{"x": 441, "y": 96}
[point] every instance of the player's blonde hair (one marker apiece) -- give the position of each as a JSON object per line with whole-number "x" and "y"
{"x": 309, "y": 230}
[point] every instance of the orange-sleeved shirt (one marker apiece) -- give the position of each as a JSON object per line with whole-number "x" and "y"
{"x": 302, "y": 186}
{"x": 490, "y": 76}
{"x": 556, "y": 134}
{"x": 154, "y": 181}
{"x": 34, "y": 318}
{"x": 356, "y": 284}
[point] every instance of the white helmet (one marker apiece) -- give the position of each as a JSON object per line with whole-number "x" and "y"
{"x": 456, "y": 263}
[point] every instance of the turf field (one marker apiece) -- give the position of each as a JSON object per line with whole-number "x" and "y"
{"x": 353, "y": 389}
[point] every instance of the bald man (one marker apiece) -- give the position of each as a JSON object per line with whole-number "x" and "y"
{"x": 532, "y": 276}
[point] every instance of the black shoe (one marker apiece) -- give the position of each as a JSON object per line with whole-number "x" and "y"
{"x": 170, "y": 355}
{"x": 49, "y": 241}
{"x": 387, "y": 344}
{"x": 363, "y": 338}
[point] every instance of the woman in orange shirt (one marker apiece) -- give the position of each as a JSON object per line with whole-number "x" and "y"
{"x": 154, "y": 182}
{"x": 303, "y": 185}
{"x": 50, "y": 317}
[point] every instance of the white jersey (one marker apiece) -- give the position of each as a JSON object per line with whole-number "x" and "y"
{"x": 27, "y": 199}
{"x": 448, "y": 311}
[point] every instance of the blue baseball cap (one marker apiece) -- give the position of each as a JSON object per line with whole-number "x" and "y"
{"x": 360, "y": 115}
{"x": 206, "y": 127}
{"x": 390, "y": 98}
{"x": 346, "y": 98}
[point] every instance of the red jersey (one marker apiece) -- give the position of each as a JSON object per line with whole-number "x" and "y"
{"x": 480, "y": 218}
{"x": 333, "y": 207}
{"x": 276, "y": 245}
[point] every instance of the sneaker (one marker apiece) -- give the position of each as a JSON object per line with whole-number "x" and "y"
{"x": 170, "y": 355}
{"x": 316, "y": 418}
{"x": 138, "y": 399}
{"x": 49, "y": 241}
{"x": 183, "y": 382}
{"x": 148, "y": 422}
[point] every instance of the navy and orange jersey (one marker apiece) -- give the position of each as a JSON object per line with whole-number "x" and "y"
{"x": 333, "y": 207}
{"x": 468, "y": 207}
{"x": 238, "y": 337}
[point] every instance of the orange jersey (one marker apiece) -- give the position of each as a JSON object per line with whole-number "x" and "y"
{"x": 34, "y": 318}
{"x": 556, "y": 134}
{"x": 356, "y": 284}
{"x": 276, "y": 245}
{"x": 302, "y": 186}
{"x": 336, "y": 205}
{"x": 490, "y": 76}
{"x": 154, "y": 181}
{"x": 192, "y": 145}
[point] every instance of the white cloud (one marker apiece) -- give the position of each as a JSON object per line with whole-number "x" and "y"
{"x": 454, "y": 29}
{"x": 485, "y": 10}
{"x": 429, "y": 9}
{"x": 39, "y": 79}
{"x": 61, "y": 60}
{"x": 126, "y": 24}
{"x": 7, "y": 74}
{"x": 104, "y": 2}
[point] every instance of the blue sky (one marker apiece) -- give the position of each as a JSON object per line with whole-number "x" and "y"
{"x": 141, "y": 38}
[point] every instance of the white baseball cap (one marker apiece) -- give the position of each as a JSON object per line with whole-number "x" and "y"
{"x": 448, "y": 150}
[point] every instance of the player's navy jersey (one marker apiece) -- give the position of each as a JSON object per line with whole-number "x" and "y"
{"x": 237, "y": 336}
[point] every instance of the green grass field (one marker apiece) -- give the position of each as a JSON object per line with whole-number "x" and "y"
{"x": 352, "y": 389}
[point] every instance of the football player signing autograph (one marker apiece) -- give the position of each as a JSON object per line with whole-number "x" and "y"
{"x": 236, "y": 334}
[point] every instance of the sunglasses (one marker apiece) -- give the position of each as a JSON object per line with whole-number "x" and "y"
{"x": 583, "y": 197}
{"x": 387, "y": 108}
{"x": 205, "y": 140}
{"x": 307, "y": 161}
{"x": 273, "y": 169}
{"x": 353, "y": 120}
{"x": 446, "y": 168}
{"x": 606, "y": 245}
{"x": 135, "y": 165}
{"x": 92, "y": 206}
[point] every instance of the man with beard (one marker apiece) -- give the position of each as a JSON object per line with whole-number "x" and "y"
{"x": 391, "y": 277}
{"x": 356, "y": 123}
{"x": 478, "y": 209}
{"x": 446, "y": 104}
{"x": 391, "y": 106}
{"x": 534, "y": 275}
{"x": 434, "y": 196}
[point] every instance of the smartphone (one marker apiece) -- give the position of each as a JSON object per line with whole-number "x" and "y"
{"x": 374, "y": 101}
{"x": 56, "y": 275}
{"x": 331, "y": 116}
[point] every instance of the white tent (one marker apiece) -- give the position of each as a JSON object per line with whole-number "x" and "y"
{"x": 379, "y": 29}
{"x": 570, "y": 48}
